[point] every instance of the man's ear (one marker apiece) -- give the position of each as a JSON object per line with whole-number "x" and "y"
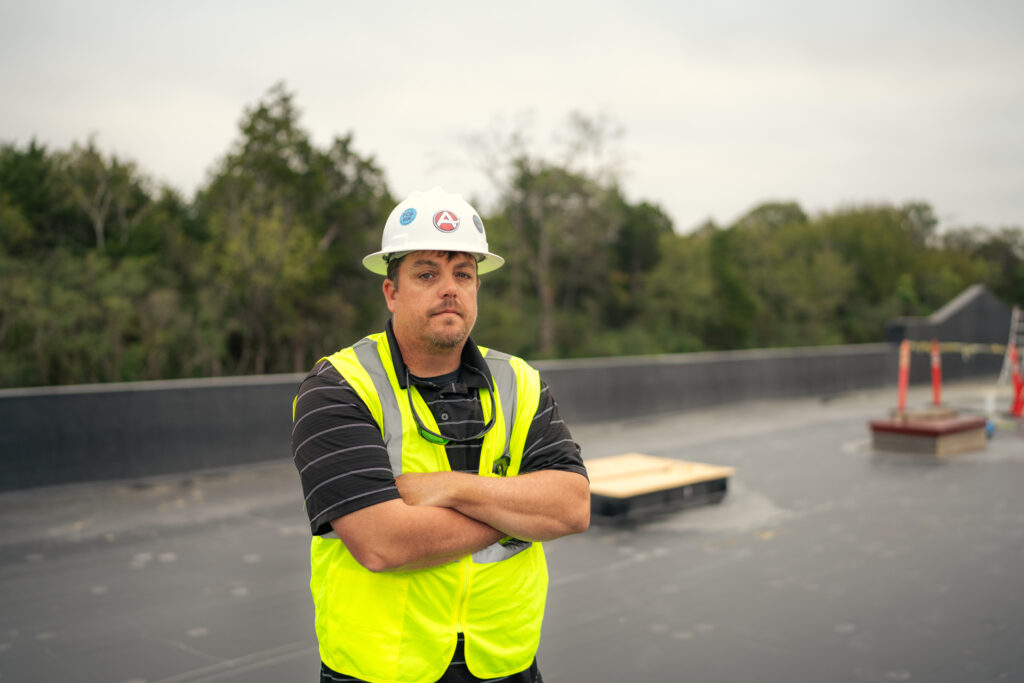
{"x": 390, "y": 293}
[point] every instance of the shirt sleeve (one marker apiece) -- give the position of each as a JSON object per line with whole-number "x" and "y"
{"x": 549, "y": 445}
{"x": 338, "y": 450}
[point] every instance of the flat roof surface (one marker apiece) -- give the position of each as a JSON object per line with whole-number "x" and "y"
{"x": 825, "y": 561}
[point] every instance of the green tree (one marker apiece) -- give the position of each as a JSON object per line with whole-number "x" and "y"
{"x": 637, "y": 245}
{"x": 552, "y": 213}
{"x": 677, "y": 305}
{"x": 109, "y": 192}
{"x": 577, "y": 248}
{"x": 796, "y": 278}
{"x": 76, "y": 304}
{"x": 997, "y": 258}
{"x": 771, "y": 216}
{"x": 287, "y": 224}
{"x": 736, "y": 305}
{"x": 30, "y": 182}
{"x": 883, "y": 246}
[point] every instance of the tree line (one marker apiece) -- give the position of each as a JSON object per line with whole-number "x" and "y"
{"x": 107, "y": 276}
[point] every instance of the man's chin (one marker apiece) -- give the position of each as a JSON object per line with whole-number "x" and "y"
{"x": 448, "y": 338}
{"x": 447, "y": 343}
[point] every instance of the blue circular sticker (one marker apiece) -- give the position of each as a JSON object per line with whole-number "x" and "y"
{"x": 407, "y": 217}
{"x": 478, "y": 223}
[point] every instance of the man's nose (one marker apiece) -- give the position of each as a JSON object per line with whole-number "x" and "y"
{"x": 449, "y": 286}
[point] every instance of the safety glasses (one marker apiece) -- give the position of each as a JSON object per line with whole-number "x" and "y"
{"x": 441, "y": 439}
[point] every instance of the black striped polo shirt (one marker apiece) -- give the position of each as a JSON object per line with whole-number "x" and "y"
{"x": 341, "y": 457}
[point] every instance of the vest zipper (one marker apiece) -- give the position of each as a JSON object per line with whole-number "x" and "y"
{"x": 463, "y": 591}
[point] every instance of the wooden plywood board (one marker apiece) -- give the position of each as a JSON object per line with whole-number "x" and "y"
{"x": 635, "y": 474}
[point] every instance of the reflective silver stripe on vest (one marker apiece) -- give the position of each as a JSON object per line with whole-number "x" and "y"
{"x": 496, "y": 552}
{"x": 505, "y": 380}
{"x": 504, "y": 377}
{"x": 366, "y": 352}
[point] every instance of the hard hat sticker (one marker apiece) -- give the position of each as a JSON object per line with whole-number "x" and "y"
{"x": 478, "y": 223}
{"x": 446, "y": 221}
{"x": 407, "y": 217}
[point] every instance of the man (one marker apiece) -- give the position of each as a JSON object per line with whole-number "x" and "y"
{"x": 432, "y": 469}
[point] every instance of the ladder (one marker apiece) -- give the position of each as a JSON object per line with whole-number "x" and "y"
{"x": 1016, "y": 340}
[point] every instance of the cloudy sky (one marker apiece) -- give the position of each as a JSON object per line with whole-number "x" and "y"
{"x": 722, "y": 105}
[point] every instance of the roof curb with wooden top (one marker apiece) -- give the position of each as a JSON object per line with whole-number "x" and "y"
{"x": 624, "y": 485}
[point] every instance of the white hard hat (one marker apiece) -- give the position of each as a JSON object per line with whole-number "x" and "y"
{"x": 433, "y": 221}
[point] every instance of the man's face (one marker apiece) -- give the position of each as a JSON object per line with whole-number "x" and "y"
{"x": 434, "y": 300}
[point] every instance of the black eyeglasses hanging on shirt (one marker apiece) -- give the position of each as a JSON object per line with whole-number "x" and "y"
{"x": 441, "y": 439}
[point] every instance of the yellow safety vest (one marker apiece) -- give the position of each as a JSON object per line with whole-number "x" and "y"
{"x": 400, "y": 627}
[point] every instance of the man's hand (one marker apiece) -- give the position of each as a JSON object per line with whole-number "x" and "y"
{"x": 426, "y": 488}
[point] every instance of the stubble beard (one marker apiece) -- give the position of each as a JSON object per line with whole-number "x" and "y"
{"x": 446, "y": 343}
{"x": 449, "y": 337}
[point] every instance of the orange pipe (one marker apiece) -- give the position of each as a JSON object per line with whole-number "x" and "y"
{"x": 1018, "y": 385}
{"x": 904, "y": 375}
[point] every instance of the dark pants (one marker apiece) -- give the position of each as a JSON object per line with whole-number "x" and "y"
{"x": 457, "y": 672}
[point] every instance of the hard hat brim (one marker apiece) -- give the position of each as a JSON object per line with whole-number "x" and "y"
{"x": 377, "y": 262}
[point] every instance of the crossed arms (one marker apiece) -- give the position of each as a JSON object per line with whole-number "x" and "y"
{"x": 443, "y": 516}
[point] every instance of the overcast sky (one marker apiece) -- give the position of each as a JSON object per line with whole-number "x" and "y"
{"x": 723, "y": 105}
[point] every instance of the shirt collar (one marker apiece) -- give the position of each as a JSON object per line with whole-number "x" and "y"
{"x": 471, "y": 358}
